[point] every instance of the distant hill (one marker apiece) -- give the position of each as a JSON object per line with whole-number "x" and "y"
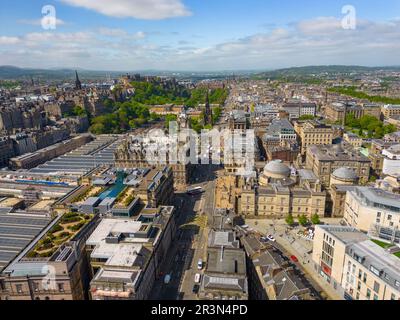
{"x": 15, "y": 73}
{"x": 11, "y": 72}
{"x": 66, "y": 74}
{"x": 310, "y": 71}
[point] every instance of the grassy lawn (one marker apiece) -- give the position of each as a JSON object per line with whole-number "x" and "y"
{"x": 397, "y": 254}
{"x": 382, "y": 244}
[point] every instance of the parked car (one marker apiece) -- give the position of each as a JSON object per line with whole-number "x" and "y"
{"x": 271, "y": 238}
{"x": 294, "y": 259}
{"x": 200, "y": 264}
{"x": 197, "y": 278}
{"x": 167, "y": 279}
{"x": 196, "y": 289}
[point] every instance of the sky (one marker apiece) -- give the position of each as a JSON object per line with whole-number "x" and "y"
{"x": 198, "y": 35}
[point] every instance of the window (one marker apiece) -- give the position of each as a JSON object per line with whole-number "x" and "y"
{"x": 376, "y": 287}
{"x": 368, "y": 294}
{"x": 376, "y": 297}
{"x": 35, "y": 286}
{"x": 375, "y": 271}
{"x": 18, "y": 287}
{"x": 61, "y": 287}
{"x": 359, "y": 285}
{"x": 393, "y": 297}
{"x": 389, "y": 217}
{"x": 359, "y": 274}
{"x": 378, "y": 214}
{"x": 365, "y": 278}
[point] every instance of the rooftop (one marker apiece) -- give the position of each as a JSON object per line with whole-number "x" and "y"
{"x": 345, "y": 173}
{"x": 226, "y": 239}
{"x": 226, "y": 261}
{"x": 336, "y": 153}
{"x": 346, "y": 234}
{"x": 376, "y": 258}
{"x": 378, "y": 198}
{"x": 115, "y": 226}
{"x": 16, "y": 232}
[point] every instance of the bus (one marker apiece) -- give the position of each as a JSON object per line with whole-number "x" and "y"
{"x": 194, "y": 191}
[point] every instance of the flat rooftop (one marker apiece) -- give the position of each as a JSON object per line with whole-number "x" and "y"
{"x": 346, "y": 234}
{"x": 122, "y": 276}
{"x": 42, "y": 205}
{"x": 9, "y": 202}
{"x": 114, "y": 226}
{"x": 16, "y": 232}
{"x": 229, "y": 261}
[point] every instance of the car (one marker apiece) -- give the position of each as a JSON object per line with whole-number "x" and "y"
{"x": 271, "y": 238}
{"x": 197, "y": 278}
{"x": 167, "y": 279}
{"x": 196, "y": 289}
{"x": 200, "y": 264}
{"x": 264, "y": 239}
{"x": 294, "y": 259}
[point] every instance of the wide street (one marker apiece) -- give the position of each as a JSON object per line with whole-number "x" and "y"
{"x": 193, "y": 212}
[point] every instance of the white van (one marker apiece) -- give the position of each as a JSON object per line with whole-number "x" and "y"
{"x": 197, "y": 278}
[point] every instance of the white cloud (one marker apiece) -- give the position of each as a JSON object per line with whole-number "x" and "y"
{"x": 8, "y": 40}
{"x": 139, "y": 35}
{"x": 113, "y": 32}
{"x": 310, "y": 42}
{"x": 321, "y": 25}
{"x": 140, "y": 9}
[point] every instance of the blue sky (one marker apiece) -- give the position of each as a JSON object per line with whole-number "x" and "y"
{"x": 198, "y": 34}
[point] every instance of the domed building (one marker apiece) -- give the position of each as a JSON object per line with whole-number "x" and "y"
{"x": 276, "y": 171}
{"x": 344, "y": 176}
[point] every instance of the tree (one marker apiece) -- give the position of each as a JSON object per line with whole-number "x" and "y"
{"x": 169, "y": 118}
{"x": 315, "y": 219}
{"x": 97, "y": 128}
{"x": 303, "y": 220}
{"x": 290, "y": 220}
{"x": 216, "y": 114}
{"x": 307, "y": 117}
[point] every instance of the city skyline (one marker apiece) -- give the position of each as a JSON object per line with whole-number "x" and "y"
{"x": 185, "y": 35}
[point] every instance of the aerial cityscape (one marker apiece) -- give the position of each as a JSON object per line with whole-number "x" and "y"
{"x": 183, "y": 150}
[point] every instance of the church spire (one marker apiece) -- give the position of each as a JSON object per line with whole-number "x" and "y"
{"x": 78, "y": 84}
